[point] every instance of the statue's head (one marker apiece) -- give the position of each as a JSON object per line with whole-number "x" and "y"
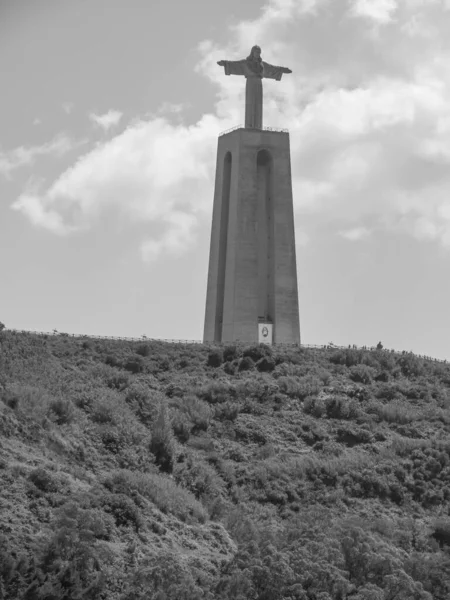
{"x": 255, "y": 53}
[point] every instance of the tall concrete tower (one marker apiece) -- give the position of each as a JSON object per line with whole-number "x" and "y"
{"x": 252, "y": 280}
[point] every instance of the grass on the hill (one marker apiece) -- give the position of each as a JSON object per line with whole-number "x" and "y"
{"x": 150, "y": 470}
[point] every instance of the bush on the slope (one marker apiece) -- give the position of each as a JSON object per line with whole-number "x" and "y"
{"x": 143, "y": 402}
{"x": 217, "y": 391}
{"x": 162, "y": 443}
{"x": 162, "y": 491}
{"x": 200, "y": 478}
{"x": 341, "y": 407}
{"x": 44, "y": 480}
{"x": 257, "y": 352}
{"x": 265, "y": 364}
{"x": 299, "y": 387}
{"x": 198, "y": 412}
{"x": 63, "y": 411}
{"x": 246, "y": 364}
{"x": 348, "y": 357}
{"x": 441, "y": 532}
{"x": 143, "y": 350}
{"x": 230, "y": 353}
{"x": 165, "y": 577}
{"x": 215, "y": 358}
{"x": 227, "y": 411}
{"x": 410, "y": 365}
{"x": 362, "y": 374}
{"x": 314, "y": 406}
{"x": 134, "y": 365}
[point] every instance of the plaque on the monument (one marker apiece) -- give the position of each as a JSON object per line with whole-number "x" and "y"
{"x": 265, "y": 333}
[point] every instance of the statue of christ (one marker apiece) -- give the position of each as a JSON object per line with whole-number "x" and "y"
{"x": 253, "y": 68}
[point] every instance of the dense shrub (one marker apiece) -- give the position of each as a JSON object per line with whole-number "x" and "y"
{"x": 246, "y": 364}
{"x": 165, "y": 577}
{"x": 143, "y": 402}
{"x": 299, "y": 387}
{"x": 197, "y": 411}
{"x": 231, "y": 368}
{"x": 63, "y": 410}
{"x": 265, "y": 364}
{"x": 388, "y": 391}
{"x": 215, "y": 358}
{"x": 217, "y": 391}
{"x": 181, "y": 426}
{"x": 44, "y": 480}
{"x": 134, "y": 365}
{"x": 347, "y": 357}
{"x": 410, "y": 365}
{"x": 227, "y": 411}
{"x": 160, "y": 490}
{"x": 393, "y": 413}
{"x": 123, "y": 509}
{"x": 104, "y": 410}
{"x": 230, "y": 353}
{"x": 112, "y": 360}
{"x": 257, "y": 352}
{"x": 118, "y": 381}
{"x": 362, "y": 374}
{"x": 441, "y": 532}
{"x": 143, "y": 350}
{"x": 314, "y": 406}
{"x": 350, "y": 436}
{"x": 200, "y": 478}
{"x": 340, "y": 407}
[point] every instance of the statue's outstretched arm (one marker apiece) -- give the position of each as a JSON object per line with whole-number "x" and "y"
{"x": 233, "y": 67}
{"x": 274, "y": 72}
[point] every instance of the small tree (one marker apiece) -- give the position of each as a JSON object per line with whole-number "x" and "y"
{"x": 162, "y": 444}
{"x": 2, "y": 326}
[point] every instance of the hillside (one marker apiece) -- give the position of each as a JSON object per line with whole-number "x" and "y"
{"x": 161, "y": 471}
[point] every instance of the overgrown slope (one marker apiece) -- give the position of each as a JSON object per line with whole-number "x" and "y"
{"x": 150, "y": 470}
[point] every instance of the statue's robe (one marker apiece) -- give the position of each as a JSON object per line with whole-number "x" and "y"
{"x": 254, "y": 75}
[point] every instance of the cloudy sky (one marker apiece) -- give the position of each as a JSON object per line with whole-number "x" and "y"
{"x": 109, "y": 120}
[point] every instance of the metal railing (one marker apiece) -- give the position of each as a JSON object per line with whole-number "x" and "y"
{"x": 144, "y": 338}
{"x": 276, "y": 129}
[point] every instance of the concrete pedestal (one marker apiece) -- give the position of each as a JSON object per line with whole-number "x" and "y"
{"x": 252, "y": 274}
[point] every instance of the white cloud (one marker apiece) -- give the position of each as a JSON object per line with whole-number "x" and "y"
{"x": 171, "y": 108}
{"x": 178, "y": 235}
{"x": 26, "y": 155}
{"x": 154, "y": 171}
{"x": 369, "y": 119}
{"x": 355, "y": 234}
{"x": 38, "y": 215}
{"x": 107, "y": 120}
{"x": 380, "y": 11}
{"x": 68, "y": 107}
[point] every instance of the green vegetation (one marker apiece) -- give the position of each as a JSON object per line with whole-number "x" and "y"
{"x": 148, "y": 470}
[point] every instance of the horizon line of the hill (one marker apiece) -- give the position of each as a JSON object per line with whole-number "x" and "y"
{"x": 144, "y": 338}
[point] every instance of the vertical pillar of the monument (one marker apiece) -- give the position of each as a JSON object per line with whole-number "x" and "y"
{"x": 252, "y": 269}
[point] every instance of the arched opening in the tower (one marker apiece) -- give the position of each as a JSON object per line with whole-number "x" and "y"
{"x": 265, "y": 223}
{"x": 223, "y": 239}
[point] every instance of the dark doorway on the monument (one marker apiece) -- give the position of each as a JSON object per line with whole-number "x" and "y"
{"x": 223, "y": 239}
{"x": 265, "y": 220}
